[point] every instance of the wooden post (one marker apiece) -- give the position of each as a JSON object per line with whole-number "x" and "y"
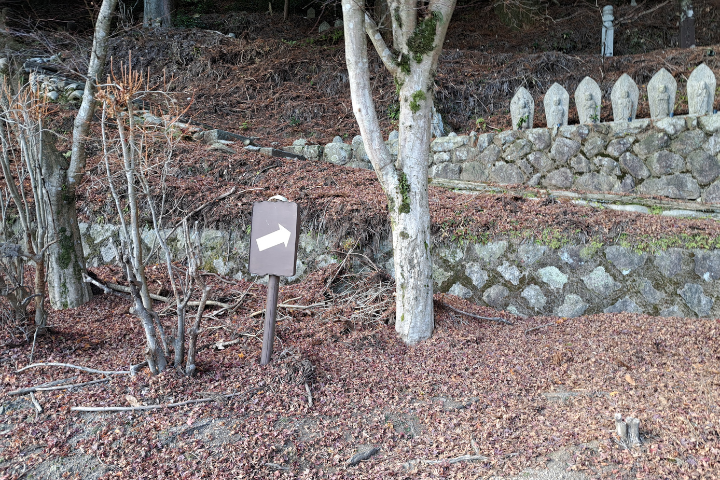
{"x": 273, "y": 287}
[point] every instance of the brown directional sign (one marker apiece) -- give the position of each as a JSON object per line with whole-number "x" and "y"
{"x": 274, "y": 238}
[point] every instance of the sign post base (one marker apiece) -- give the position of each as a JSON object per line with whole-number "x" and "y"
{"x": 273, "y": 287}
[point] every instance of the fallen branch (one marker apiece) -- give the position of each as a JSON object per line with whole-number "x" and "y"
{"x": 289, "y": 307}
{"x": 462, "y": 458}
{"x": 40, "y": 388}
{"x": 539, "y": 327}
{"x": 472, "y": 315}
{"x": 162, "y": 405}
{"x": 160, "y": 298}
{"x": 68, "y": 365}
{"x": 307, "y": 389}
{"x": 35, "y": 403}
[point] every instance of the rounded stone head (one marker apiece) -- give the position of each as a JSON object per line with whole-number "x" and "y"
{"x": 625, "y": 94}
{"x": 588, "y": 96}
{"x": 556, "y": 102}
{"x": 662, "y": 88}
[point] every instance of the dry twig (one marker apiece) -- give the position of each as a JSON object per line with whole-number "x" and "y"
{"x": 163, "y": 405}
{"x": 472, "y": 315}
{"x": 68, "y": 365}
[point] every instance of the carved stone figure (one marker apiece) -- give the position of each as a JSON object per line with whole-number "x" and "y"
{"x": 522, "y": 109}
{"x": 661, "y": 94}
{"x": 624, "y": 96}
{"x": 556, "y": 104}
{"x": 588, "y": 100}
{"x": 608, "y": 31}
{"x": 701, "y": 90}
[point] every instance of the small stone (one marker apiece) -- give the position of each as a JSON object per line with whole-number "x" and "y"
{"x": 76, "y": 95}
{"x": 394, "y": 135}
{"x": 628, "y": 184}
{"x": 553, "y": 277}
{"x": 534, "y": 296}
{"x": 496, "y": 296}
{"x": 671, "y": 125}
{"x": 601, "y": 282}
{"x": 712, "y": 146}
{"x": 712, "y": 193}
{"x": 221, "y": 147}
{"x": 53, "y": 96}
{"x": 508, "y": 136}
{"x": 337, "y": 152}
{"x": 540, "y": 161}
{"x": 484, "y": 141}
{"x": 622, "y": 306}
{"x": 629, "y": 208}
{"x": 529, "y": 253}
{"x": 460, "y": 291}
{"x": 561, "y": 178}
{"x": 670, "y": 262}
{"x": 652, "y": 143}
{"x": 680, "y": 185}
{"x": 440, "y": 276}
{"x": 707, "y": 264}
{"x": 490, "y": 155}
{"x": 573, "y": 306}
{"x": 624, "y": 259}
{"x": 475, "y": 272}
{"x": 634, "y": 166}
{"x": 696, "y": 299}
{"x": 580, "y": 164}
{"x": 510, "y": 273}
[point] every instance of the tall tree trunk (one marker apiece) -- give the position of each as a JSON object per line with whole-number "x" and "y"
{"x": 158, "y": 13}
{"x": 65, "y": 260}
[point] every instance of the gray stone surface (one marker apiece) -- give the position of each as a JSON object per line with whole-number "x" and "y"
{"x": 624, "y": 97}
{"x": 580, "y": 164}
{"x": 624, "y": 305}
{"x": 477, "y": 275}
{"x": 597, "y": 182}
{"x": 712, "y": 193}
{"x": 556, "y": 103}
{"x": 553, "y": 277}
{"x": 507, "y": 137}
{"x": 510, "y": 272}
{"x": 601, "y": 282}
{"x": 649, "y": 292}
{"x": 680, "y": 185}
{"x": 625, "y": 259}
{"x": 460, "y": 291}
{"x": 517, "y": 150}
{"x": 490, "y": 155}
{"x": 560, "y": 178}
{"x": 588, "y": 100}
{"x": 704, "y": 167}
{"x": 673, "y": 311}
{"x": 661, "y": 90}
{"x": 450, "y": 171}
{"x": 670, "y": 262}
{"x": 491, "y": 251}
{"x": 709, "y": 123}
{"x": 594, "y": 145}
{"x": 540, "y": 161}
{"x": 664, "y": 163}
{"x": 712, "y": 145}
{"x": 440, "y": 275}
{"x": 534, "y": 296}
{"x": 572, "y": 306}
{"x": 652, "y": 143}
{"x": 496, "y": 296}
{"x": 484, "y": 141}
{"x": 507, "y": 174}
{"x": 671, "y": 125}
{"x": 619, "y": 146}
{"x": 608, "y": 166}
{"x": 563, "y": 150}
{"x": 696, "y": 299}
{"x": 474, "y": 172}
{"x": 529, "y": 253}
{"x": 701, "y": 90}
{"x": 338, "y": 153}
{"x": 522, "y": 109}
{"x": 687, "y": 141}
{"x": 631, "y": 164}
{"x": 707, "y": 264}
{"x": 540, "y": 138}
{"x": 628, "y": 184}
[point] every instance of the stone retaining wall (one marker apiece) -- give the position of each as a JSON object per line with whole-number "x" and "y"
{"x": 509, "y": 274}
{"x": 675, "y": 157}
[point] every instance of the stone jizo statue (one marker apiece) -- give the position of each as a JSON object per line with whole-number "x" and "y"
{"x": 661, "y": 94}
{"x": 624, "y": 95}
{"x": 626, "y": 106}
{"x": 701, "y": 90}
{"x": 522, "y": 109}
{"x": 556, "y": 105}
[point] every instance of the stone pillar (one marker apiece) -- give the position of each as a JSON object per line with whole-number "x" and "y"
{"x": 608, "y": 31}
{"x": 687, "y": 24}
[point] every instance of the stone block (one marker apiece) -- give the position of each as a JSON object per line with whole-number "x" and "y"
{"x": 507, "y": 174}
{"x": 664, "y": 163}
{"x": 450, "y": 171}
{"x": 594, "y": 145}
{"x": 540, "y": 161}
{"x": 517, "y": 150}
{"x": 680, "y": 185}
{"x": 671, "y": 125}
{"x": 525, "y": 166}
{"x": 649, "y": 293}
{"x": 712, "y": 146}
{"x": 529, "y": 253}
{"x": 460, "y": 291}
{"x": 507, "y": 137}
{"x": 704, "y": 167}
{"x": 607, "y": 166}
{"x": 476, "y": 273}
{"x": 687, "y": 141}
{"x": 490, "y": 155}
{"x": 625, "y": 259}
{"x": 484, "y": 141}
{"x": 627, "y": 184}
{"x": 597, "y": 182}
{"x": 670, "y": 262}
{"x": 496, "y": 296}
{"x": 712, "y": 193}
{"x": 474, "y": 172}
{"x": 653, "y": 142}
{"x": 624, "y": 129}
{"x": 707, "y": 264}
{"x": 561, "y": 178}
{"x": 338, "y": 153}
{"x": 696, "y": 299}
{"x": 631, "y": 164}
{"x": 491, "y": 251}
{"x": 619, "y": 146}
{"x": 626, "y": 305}
{"x": 510, "y": 273}
{"x": 449, "y": 143}
{"x": 465, "y": 154}
{"x": 553, "y": 277}
{"x": 540, "y": 138}
{"x": 709, "y": 123}
{"x": 534, "y": 296}
{"x": 580, "y": 164}
{"x": 601, "y": 282}
{"x": 673, "y": 311}
{"x": 563, "y": 150}
{"x": 573, "y": 306}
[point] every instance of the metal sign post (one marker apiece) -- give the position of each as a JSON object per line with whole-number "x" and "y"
{"x": 273, "y": 251}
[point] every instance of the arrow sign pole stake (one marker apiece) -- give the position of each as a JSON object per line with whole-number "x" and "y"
{"x": 270, "y": 313}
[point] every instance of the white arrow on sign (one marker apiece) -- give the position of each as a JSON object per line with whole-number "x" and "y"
{"x": 282, "y": 235}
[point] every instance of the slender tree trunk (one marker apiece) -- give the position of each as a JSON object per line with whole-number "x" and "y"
{"x": 158, "y": 13}
{"x": 65, "y": 260}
